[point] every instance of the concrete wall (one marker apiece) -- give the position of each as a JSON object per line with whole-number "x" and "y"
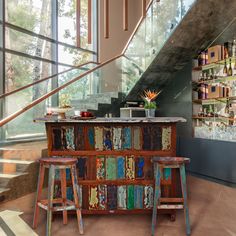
{"x": 176, "y": 100}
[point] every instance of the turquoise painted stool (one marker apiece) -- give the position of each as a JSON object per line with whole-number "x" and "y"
{"x": 47, "y": 204}
{"x": 177, "y": 163}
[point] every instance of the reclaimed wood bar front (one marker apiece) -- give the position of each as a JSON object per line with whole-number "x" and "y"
{"x": 114, "y": 166}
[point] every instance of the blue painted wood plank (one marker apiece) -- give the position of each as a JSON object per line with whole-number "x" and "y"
{"x": 127, "y": 139}
{"x": 138, "y": 197}
{"x": 120, "y": 167}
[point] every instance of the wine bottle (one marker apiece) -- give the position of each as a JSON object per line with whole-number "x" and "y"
{"x": 230, "y": 70}
{"x": 225, "y": 70}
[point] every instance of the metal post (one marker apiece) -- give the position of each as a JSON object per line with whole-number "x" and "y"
{"x": 54, "y": 100}
{"x": 2, "y": 67}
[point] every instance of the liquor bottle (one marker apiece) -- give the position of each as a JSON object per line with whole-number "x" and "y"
{"x": 234, "y": 48}
{"x": 225, "y": 70}
{"x": 230, "y": 70}
{"x": 231, "y": 115}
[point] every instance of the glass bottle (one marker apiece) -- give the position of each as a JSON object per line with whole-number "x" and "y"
{"x": 225, "y": 70}
{"x": 230, "y": 70}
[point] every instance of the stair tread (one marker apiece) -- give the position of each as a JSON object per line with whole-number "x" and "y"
{"x": 13, "y": 175}
{"x": 15, "y": 161}
{"x": 2, "y": 190}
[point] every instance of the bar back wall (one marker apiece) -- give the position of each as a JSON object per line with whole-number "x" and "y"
{"x": 209, "y": 158}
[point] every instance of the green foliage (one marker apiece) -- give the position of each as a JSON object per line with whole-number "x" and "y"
{"x": 150, "y": 105}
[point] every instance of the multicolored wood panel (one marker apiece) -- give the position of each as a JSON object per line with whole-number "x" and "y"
{"x": 156, "y": 138}
{"x": 121, "y": 197}
{"x": 137, "y": 138}
{"x": 130, "y": 197}
{"x": 148, "y": 197}
{"x": 117, "y": 138}
{"x": 57, "y": 139}
{"x": 68, "y": 137}
{"x": 93, "y": 198}
{"x": 139, "y": 166}
{"x": 91, "y": 138}
{"x": 98, "y": 138}
{"x": 127, "y": 138}
{"x": 166, "y": 138}
{"x": 138, "y": 197}
{"x": 112, "y": 197}
{"x": 120, "y": 168}
{"x": 82, "y": 167}
{"x": 102, "y": 196}
{"x": 80, "y": 138}
{"x": 147, "y": 138}
{"x": 111, "y": 168}
{"x": 107, "y": 139}
{"x": 100, "y": 167}
{"x": 130, "y": 167}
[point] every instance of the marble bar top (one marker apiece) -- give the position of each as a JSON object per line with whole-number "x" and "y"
{"x": 114, "y": 120}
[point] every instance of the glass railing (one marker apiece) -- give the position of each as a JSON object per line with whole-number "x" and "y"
{"x": 160, "y": 22}
{"x": 30, "y": 94}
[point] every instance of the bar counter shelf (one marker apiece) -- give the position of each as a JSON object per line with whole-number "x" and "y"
{"x": 114, "y": 155}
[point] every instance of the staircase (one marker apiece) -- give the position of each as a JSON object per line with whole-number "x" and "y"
{"x": 99, "y": 104}
{"x": 19, "y": 170}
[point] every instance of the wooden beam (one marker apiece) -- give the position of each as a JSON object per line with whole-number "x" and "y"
{"x": 143, "y": 8}
{"x": 89, "y": 21}
{"x": 78, "y": 11}
{"x": 125, "y": 15}
{"x": 106, "y": 19}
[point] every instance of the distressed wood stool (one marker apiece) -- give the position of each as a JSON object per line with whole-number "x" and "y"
{"x": 170, "y": 162}
{"x": 62, "y": 164}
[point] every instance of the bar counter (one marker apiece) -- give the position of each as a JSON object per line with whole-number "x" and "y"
{"x": 114, "y": 160}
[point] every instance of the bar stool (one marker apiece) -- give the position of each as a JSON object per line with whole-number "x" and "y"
{"x": 62, "y": 164}
{"x": 170, "y": 162}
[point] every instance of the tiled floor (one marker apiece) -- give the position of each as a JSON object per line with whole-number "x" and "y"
{"x": 212, "y": 213}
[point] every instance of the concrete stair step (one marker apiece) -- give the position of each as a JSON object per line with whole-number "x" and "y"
{"x": 84, "y": 107}
{"x": 105, "y": 94}
{"x": 3, "y": 190}
{"x": 8, "y": 166}
{"x": 6, "y": 178}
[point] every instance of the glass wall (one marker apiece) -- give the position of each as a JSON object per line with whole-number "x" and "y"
{"x": 38, "y": 39}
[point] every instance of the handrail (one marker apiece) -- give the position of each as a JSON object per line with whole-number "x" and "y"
{"x": 22, "y": 54}
{"x": 37, "y": 101}
{"x": 44, "y": 79}
{"x": 31, "y": 33}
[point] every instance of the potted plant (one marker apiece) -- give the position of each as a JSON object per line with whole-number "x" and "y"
{"x": 149, "y": 103}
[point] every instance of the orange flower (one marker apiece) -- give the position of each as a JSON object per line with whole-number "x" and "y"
{"x": 150, "y": 95}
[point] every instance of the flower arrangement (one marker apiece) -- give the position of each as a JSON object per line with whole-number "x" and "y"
{"x": 64, "y": 101}
{"x": 149, "y": 97}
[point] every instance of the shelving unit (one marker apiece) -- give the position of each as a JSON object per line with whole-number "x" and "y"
{"x": 205, "y": 123}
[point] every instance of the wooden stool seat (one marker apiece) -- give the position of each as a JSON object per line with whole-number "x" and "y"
{"x": 58, "y": 161}
{"x": 58, "y": 204}
{"x": 172, "y": 163}
{"x": 171, "y": 160}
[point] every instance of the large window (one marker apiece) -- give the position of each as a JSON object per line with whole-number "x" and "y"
{"x": 38, "y": 39}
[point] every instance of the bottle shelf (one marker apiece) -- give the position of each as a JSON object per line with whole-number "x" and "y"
{"x": 218, "y": 80}
{"x": 213, "y": 100}
{"x": 218, "y": 118}
{"x": 214, "y": 64}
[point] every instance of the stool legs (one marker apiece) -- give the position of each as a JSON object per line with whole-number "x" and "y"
{"x": 63, "y": 193}
{"x": 39, "y": 193}
{"x": 184, "y": 193}
{"x": 76, "y": 198}
{"x": 157, "y": 194}
{"x": 50, "y": 198}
